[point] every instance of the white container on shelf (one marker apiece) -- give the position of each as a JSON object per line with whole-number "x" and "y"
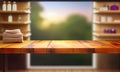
{"x": 103, "y": 19}
{"x": 4, "y": 6}
{"x": 109, "y": 19}
{"x": 14, "y": 6}
{"x": 9, "y": 6}
{"x": 10, "y": 19}
{"x": 19, "y": 18}
{"x": 104, "y": 8}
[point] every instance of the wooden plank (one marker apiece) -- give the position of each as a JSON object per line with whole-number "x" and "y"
{"x": 18, "y": 11}
{"x": 14, "y": 48}
{"x": 3, "y": 44}
{"x": 110, "y": 11}
{"x": 15, "y": 23}
{"x": 108, "y": 47}
{"x": 106, "y": 35}
{"x": 25, "y": 47}
{"x": 66, "y": 44}
{"x": 100, "y": 46}
{"x": 39, "y": 46}
{"x": 107, "y": 23}
{"x": 97, "y": 44}
{"x": 61, "y": 47}
{"x": 116, "y": 44}
{"x": 64, "y": 70}
{"x": 68, "y": 47}
{"x": 18, "y": 45}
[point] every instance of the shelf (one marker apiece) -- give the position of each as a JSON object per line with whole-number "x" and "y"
{"x": 105, "y": 23}
{"x": 15, "y": 23}
{"x": 23, "y": 9}
{"x": 109, "y": 11}
{"x": 20, "y": 11}
{"x": 106, "y": 35}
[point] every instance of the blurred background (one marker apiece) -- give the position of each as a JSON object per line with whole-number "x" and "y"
{"x": 61, "y": 21}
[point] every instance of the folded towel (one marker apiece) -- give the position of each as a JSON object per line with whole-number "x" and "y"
{"x": 13, "y": 39}
{"x": 9, "y": 35}
{"x": 13, "y": 31}
{"x": 13, "y": 36}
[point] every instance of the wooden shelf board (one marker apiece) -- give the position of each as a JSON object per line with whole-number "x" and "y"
{"x": 15, "y": 22}
{"x": 109, "y": 11}
{"x": 20, "y": 11}
{"x": 106, "y": 35}
{"x": 114, "y": 23}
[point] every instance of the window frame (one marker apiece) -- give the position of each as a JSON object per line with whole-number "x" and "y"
{"x": 93, "y": 66}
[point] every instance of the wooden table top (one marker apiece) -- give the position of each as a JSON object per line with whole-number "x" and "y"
{"x": 60, "y": 47}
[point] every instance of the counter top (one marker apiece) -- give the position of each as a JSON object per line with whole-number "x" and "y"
{"x": 61, "y": 47}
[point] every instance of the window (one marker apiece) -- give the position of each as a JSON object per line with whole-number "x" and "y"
{"x": 61, "y": 21}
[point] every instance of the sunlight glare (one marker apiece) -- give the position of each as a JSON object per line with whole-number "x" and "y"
{"x": 51, "y": 18}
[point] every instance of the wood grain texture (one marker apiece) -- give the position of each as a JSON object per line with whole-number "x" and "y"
{"x": 65, "y": 70}
{"x": 61, "y": 47}
{"x": 14, "y": 48}
{"x": 69, "y": 47}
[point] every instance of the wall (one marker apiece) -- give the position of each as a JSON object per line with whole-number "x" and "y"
{"x": 108, "y": 61}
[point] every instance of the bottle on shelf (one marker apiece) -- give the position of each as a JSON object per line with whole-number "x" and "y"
{"x": 99, "y": 19}
{"x": 113, "y": 31}
{"x": 14, "y": 6}
{"x": 108, "y": 7}
{"x": 103, "y": 19}
{"x": 9, "y": 6}
{"x": 10, "y": 19}
{"x": 104, "y": 8}
{"x": 4, "y": 6}
{"x": 19, "y": 18}
{"x": 109, "y": 31}
{"x": 105, "y": 30}
{"x": 109, "y": 19}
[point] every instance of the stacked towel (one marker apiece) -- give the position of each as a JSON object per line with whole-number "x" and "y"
{"x": 12, "y": 36}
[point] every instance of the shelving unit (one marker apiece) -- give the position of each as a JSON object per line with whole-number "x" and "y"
{"x": 98, "y": 26}
{"x": 23, "y": 9}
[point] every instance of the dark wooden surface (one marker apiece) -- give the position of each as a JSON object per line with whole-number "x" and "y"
{"x": 64, "y": 70}
{"x": 60, "y": 47}
{"x": 15, "y": 61}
